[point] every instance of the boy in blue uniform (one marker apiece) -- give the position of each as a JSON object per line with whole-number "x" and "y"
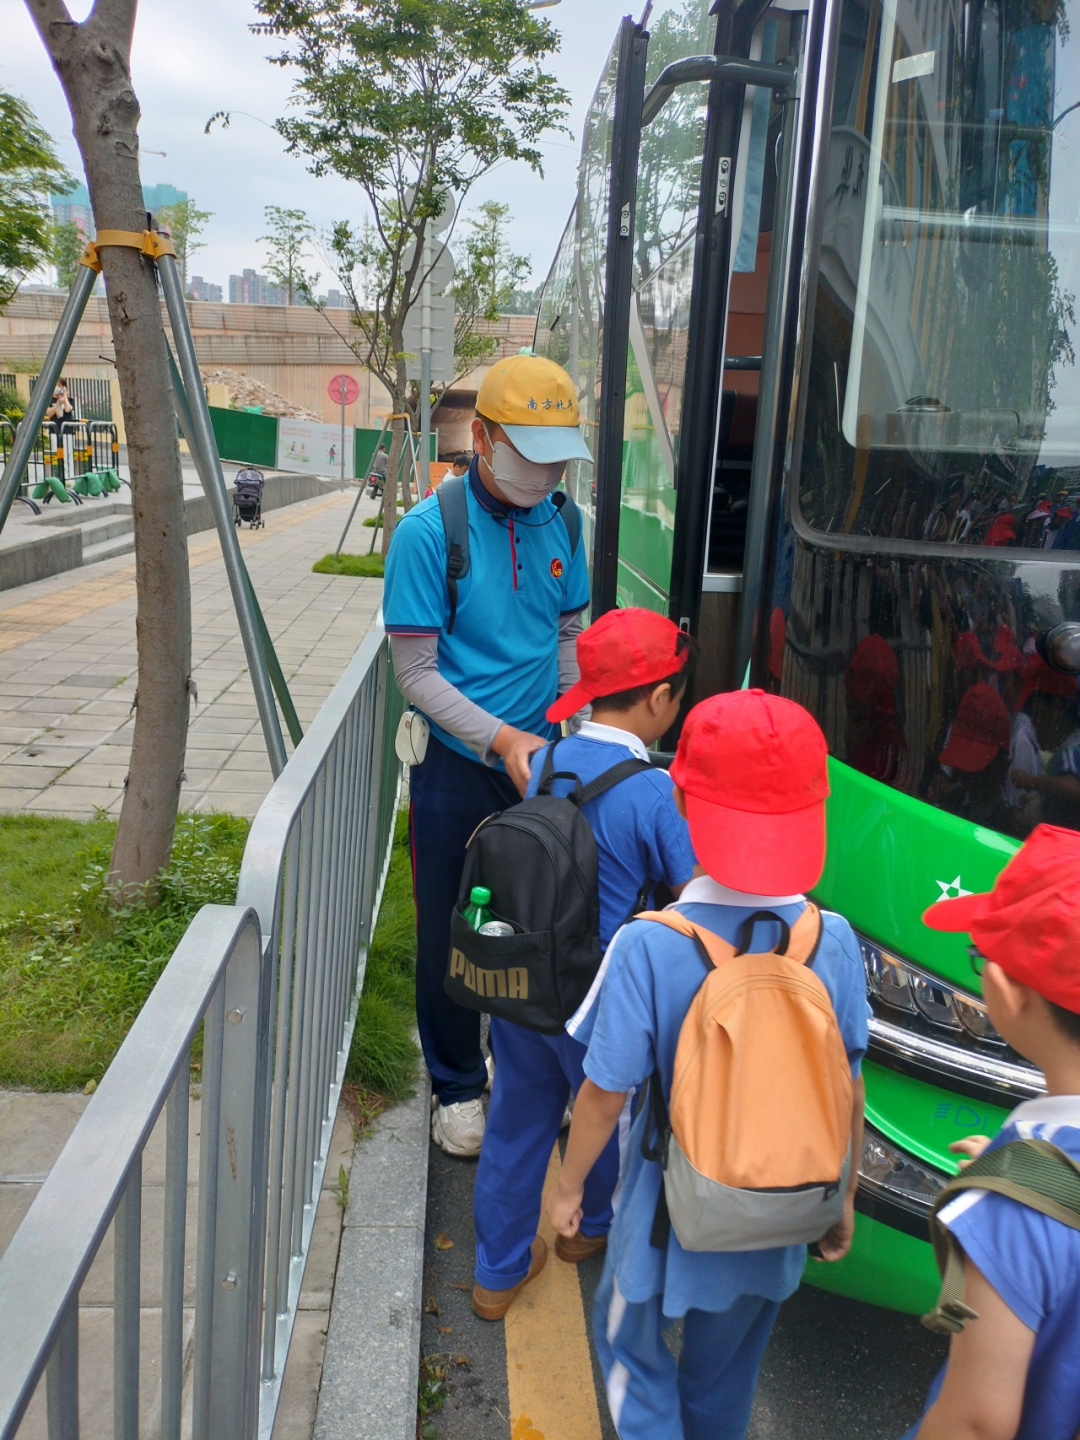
{"x": 750, "y": 775}
{"x": 634, "y": 667}
{"x": 1014, "y": 1370}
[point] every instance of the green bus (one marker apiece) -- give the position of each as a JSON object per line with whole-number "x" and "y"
{"x": 817, "y": 292}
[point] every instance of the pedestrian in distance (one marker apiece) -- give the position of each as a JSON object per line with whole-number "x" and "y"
{"x": 746, "y": 1148}
{"x": 634, "y": 667}
{"x": 377, "y": 473}
{"x": 485, "y": 585}
{"x": 458, "y": 468}
{"x": 1013, "y": 1309}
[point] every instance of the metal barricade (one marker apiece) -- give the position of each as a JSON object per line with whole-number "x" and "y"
{"x": 46, "y": 467}
{"x": 276, "y": 978}
{"x": 7, "y": 440}
{"x": 105, "y": 454}
{"x": 75, "y": 444}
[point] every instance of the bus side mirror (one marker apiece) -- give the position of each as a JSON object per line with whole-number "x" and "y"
{"x": 1060, "y": 647}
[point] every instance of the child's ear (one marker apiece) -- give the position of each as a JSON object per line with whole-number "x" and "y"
{"x": 660, "y": 698}
{"x": 1011, "y": 995}
{"x": 680, "y": 800}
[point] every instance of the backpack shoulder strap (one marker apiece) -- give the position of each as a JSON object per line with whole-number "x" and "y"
{"x": 1034, "y": 1173}
{"x": 714, "y": 949}
{"x": 622, "y": 771}
{"x": 454, "y": 509}
{"x": 571, "y": 516}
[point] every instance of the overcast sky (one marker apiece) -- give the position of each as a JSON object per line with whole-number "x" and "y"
{"x": 194, "y": 57}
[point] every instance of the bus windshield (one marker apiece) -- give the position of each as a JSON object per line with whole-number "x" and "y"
{"x": 949, "y": 269}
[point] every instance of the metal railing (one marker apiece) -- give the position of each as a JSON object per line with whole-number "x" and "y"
{"x": 272, "y": 982}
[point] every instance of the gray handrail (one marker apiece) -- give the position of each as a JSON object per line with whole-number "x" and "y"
{"x": 713, "y": 67}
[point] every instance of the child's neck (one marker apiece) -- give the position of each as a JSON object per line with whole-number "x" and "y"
{"x": 1061, "y": 1068}
{"x": 638, "y": 720}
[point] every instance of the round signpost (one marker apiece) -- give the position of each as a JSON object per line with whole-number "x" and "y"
{"x": 343, "y": 389}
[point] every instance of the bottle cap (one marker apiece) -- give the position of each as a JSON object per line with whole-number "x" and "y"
{"x": 479, "y": 895}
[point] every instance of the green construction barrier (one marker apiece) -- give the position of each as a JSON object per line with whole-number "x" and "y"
{"x": 366, "y": 440}
{"x": 244, "y": 437}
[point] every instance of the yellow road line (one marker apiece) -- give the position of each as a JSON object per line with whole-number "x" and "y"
{"x": 32, "y": 618}
{"x": 552, "y": 1393}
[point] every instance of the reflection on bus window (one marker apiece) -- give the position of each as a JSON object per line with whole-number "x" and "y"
{"x": 946, "y": 400}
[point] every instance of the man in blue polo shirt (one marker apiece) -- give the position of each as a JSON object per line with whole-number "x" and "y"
{"x": 483, "y": 670}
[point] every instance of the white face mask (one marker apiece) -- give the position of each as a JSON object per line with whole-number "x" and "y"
{"x": 523, "y": 482}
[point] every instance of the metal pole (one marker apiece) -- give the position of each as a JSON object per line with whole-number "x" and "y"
{"x": 29, "y": 425}
{"x": 425, "y": 363}
{"x": 341, "y": 396}
{"x": 363, "y": 485}
{"x": 277, "y": 676}
{"x": 219, "y": 502}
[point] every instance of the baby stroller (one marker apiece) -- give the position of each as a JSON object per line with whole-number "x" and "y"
{"x": 247, "y": 498}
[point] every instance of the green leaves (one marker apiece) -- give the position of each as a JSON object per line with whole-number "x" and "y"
{"x": 290, "y": 234}
{"x": 29, "y": 169}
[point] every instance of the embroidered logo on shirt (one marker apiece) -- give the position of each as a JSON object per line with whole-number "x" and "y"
{"x": 556, "y": 569}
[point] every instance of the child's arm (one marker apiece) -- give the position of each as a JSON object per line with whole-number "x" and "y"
{"x": 596, "y": 1113}
{"x": 982, "y": 1395}
{"x": 836, "y": 1242}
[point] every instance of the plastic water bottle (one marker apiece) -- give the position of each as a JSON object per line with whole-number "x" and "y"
{"x": 477, "y": 912}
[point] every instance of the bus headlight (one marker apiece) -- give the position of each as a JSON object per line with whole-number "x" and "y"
{"x": 890, "y": 1172}
{"x": 901, "y": 986}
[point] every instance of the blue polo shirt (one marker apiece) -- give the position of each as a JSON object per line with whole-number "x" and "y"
{"x": 1033, "y": 1262}
{"x": 639, "y": 834}
{"x": 504, "y": 650}
{"x": 649, "y": 977}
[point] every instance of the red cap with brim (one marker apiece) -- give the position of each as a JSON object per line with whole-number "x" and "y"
{"x": 620, "y": 651}
{"x": 1029, "y": 923}
{"x": 753, "y": 769}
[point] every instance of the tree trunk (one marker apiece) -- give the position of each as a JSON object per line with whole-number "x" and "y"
{"x": 397, "y": 443}
{"x": 92, "y": 61}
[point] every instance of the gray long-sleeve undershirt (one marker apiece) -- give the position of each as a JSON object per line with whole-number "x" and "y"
{"x": 416, "y": 667}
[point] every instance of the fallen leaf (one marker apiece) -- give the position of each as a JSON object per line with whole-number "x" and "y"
{"x": 443, "y": 1241}
{"x": 89, "y": 1087}
{"x": 445, "y": 1329}
{"x": 460, "y": 1359}
{"x": 431, "y": 1306}
{"x": 460, "y": 1284}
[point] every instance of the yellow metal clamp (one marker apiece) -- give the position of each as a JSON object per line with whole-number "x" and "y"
{"x": 148, "y": 241}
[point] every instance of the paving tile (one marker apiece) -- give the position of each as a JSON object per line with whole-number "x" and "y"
{"x": 72, "y": 800}
{"x": 12, "y": 801}
{"x": 42, "y": 753}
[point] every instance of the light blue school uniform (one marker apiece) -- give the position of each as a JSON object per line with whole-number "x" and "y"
{"x": 639, "y": 836}
{"x": 728, "y": 1299}
{"x": 503, "y": 652}
{"x": 1033, "y": 1262}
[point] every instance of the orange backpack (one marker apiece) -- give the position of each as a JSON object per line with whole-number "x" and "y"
{"x": 756, "y": 1150}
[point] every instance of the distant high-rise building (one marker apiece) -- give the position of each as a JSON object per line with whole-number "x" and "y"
{"x": 334, "y": 300}
{"x": 203, "y": 290}
{"x": 250, "y": 288}
{"x": 75, "y": 205}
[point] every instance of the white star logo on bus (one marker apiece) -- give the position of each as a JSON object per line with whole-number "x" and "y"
{"x": 950, "y": 890}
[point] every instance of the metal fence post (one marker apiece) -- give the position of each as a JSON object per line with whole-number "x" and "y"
{"x": 62, "y": 1378}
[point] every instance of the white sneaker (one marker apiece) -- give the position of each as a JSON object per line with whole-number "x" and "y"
{"x": 458, "y": 1129}
{"x": 489, "y": 1065}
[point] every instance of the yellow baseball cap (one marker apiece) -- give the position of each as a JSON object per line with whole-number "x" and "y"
{"x": 535, "y": 402}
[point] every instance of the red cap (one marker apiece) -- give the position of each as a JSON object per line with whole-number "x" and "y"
{"x": 753, "y": 769}
{"x": 1029, "y": 923}
{"x": 980, "y": 731}
{"x": 1041, "y": 678}
{"x": 967, "y": 652}
{"x": 622, "y": 649}
{"x": 872, "y": 674}
{"x": 1007, "y": 654}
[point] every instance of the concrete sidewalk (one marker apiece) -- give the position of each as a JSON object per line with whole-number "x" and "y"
{"x": 68, "y": 665}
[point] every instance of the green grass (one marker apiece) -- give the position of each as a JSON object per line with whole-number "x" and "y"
{"x": 383, "y": 1054}
{"x": 366, "y": 566}
{"x": 74, "y": 972}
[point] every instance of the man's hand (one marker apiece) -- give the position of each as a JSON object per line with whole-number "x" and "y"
{"x": 836, "y": 1242}
{"x": 516, "y": 748}
{"x": 972, "y": 1146}
{"x": 1022, "y": 779}
{"x": 564, "y": 1209}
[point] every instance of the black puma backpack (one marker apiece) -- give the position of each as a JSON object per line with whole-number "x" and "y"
{"x": 539, "y": 861}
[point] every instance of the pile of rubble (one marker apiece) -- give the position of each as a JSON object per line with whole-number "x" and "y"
{"x": 245, "y": 391}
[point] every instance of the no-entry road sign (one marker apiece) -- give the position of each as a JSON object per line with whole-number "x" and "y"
{"x": 343, "y": 389}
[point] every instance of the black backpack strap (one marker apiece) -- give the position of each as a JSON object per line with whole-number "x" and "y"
{"x": 571, "y": 517}
{"x": 454, "y": 509}
{"x": 654, "y": 1146}
{"x": 622, "y": 771}
{"x": 746, "y": 931}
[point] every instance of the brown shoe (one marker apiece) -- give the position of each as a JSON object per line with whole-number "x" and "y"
{"x": 579, "y": 1247}
{"x": 493, "y": 1304}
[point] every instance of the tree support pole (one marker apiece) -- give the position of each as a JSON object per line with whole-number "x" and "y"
{"x": 29, "y": 425}
{"x": 203, "y": 434}
{"x": 277, "y": 675}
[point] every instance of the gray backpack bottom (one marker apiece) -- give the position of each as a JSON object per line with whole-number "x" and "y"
{"x": 707, "y": 1215}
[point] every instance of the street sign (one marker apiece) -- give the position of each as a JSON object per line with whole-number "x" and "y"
{"x": 343, "y": 389}
{"x": 442, "y": 340}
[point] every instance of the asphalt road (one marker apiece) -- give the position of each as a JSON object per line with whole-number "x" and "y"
{"x": 834, "y": 1370}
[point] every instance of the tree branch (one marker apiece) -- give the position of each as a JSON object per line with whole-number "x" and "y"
{"x": 115, "y": 18}
{"x": 45, "y": 14}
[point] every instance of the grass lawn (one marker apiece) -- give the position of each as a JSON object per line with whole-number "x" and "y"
{"x": 384, "y": 1055}
{"x": 74, "y": 973}
{"x": 365, "y": 566}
